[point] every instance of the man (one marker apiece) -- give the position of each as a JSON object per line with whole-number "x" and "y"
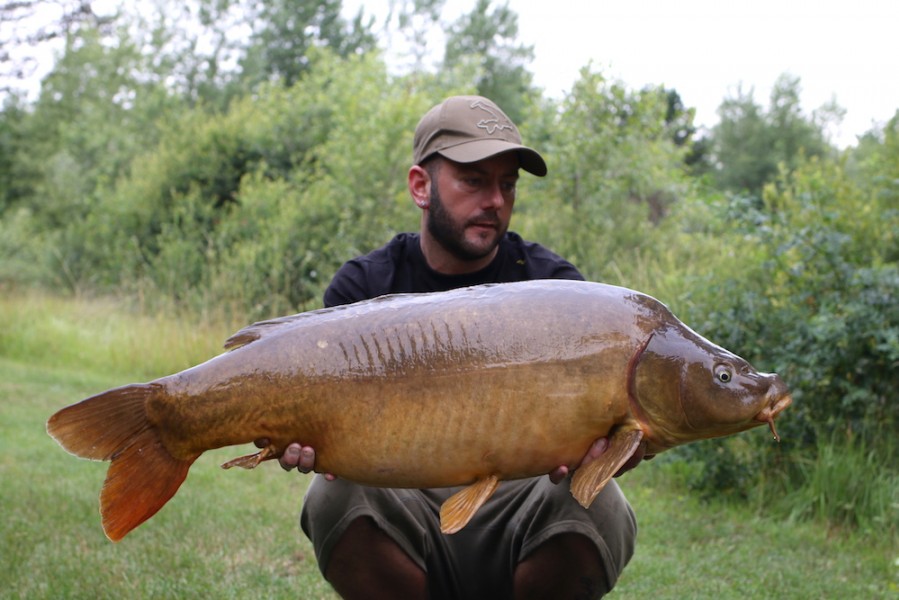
{"x": 531, "y": 539}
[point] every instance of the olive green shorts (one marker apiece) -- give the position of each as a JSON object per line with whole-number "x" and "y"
{"x": 478, "y": 561}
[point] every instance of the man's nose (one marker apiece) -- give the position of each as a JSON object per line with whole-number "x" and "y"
{"x": 493, "y": 197}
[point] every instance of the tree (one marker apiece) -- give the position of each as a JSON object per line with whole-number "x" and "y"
{"x": 876, "y": 159}
{"x": 749, "y": 144}
{"x": 615, "y": 174}
{"x": 678, "y": 118}
{"x": 28, "y": 31}
{"x": 94, "y": 113}
{"x": 490, "y": 38}
{"x": 12, "y": 139}
{"x": 285, "y": 30}
{"x": 416, "y": 20}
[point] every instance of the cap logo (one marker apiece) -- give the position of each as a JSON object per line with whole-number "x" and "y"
{"x": 491, "y": 124}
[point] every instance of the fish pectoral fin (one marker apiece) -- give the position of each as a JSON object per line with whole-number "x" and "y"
{"x": 251, "y": 461}
{"x": 459, "y": 508}
{"x": 589, "y": 480}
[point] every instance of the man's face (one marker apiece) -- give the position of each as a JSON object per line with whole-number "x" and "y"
{"x": 471, "y": 204}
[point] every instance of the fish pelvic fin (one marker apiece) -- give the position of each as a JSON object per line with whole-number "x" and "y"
{"x": 113, "y": 426}
{"x": 251, "y": 461}
{"x": 459, "y": 508}
{"x": 589, "y": 480}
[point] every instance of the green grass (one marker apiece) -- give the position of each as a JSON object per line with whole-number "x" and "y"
{"x": 692, "y": 549}
{"x": 224, "y": 535}
{"x": 234, "y": 534}
{"x": 846, "y": 482}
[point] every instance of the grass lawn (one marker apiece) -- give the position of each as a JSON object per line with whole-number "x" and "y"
{"x": 234, "y": 534}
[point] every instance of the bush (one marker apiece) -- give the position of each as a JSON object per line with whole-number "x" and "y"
{"x": 818, "y": 307}
{"x": 614, "y": 175}
{"x": 253, "y": 208}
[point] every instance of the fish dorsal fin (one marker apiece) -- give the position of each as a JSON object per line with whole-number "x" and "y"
{"x": 258, "y": 330}
{"x": 589, "y": 480}
{"x": 253, "y": 332}
{"x": 459, "y": 508}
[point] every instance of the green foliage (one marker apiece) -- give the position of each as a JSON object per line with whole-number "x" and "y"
{"x": 845, "y": 482}
{"x": 819, "y": 305}
{"x": 94, "y": 115}
{"x": 20, "y": 240}
{"x": 814, "y": 300}
{"x": 749, "y": 144}
{"x": 285, "y": 31}
{"x": 614, "y": 174}
{"x": 12, "y": 138}
{"x": 488, "y": 39}
{"x": 875, "y": 169}
{"x": 257, "y": 206}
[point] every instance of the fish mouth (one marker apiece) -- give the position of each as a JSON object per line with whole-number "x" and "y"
{"x": 780, "y": 400}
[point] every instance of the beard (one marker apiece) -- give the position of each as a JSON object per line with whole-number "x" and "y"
{"x": 451, "y": 234}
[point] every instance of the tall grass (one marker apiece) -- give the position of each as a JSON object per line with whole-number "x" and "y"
{"x": 845, "y": 482}
{"x": 109, "y": 335}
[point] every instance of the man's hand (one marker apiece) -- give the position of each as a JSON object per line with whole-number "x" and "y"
{"x": 296, "y": 456}
{"x": 302, "y": 458}
{"x": 596, "y": 450}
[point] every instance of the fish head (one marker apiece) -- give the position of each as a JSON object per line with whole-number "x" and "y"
{"x": 687, "y": 388}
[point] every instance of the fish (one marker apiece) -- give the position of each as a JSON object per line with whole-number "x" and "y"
{"x": 467, "y": 387}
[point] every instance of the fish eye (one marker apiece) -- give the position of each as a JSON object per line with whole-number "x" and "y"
{"x": 724, "y": 374}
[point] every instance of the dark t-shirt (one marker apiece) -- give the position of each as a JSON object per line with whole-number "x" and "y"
{"x": 400, "y": 267}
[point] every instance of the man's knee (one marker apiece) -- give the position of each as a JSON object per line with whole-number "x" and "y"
{"x": 567, "y": 565}
{"x": 368, "y": 563}
{"x": 603, "y": 536}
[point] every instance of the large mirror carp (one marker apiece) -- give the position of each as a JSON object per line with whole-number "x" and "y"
{"x": 466, "y": 387}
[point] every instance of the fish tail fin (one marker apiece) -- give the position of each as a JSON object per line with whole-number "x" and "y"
{"x": 114, "y": 426}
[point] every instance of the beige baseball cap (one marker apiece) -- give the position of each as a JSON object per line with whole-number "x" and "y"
{"x": 467, "y": 129}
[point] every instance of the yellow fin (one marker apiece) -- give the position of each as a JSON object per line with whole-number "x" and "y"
{"x": 459, "y": 508}
{"x": 589, "y": 480}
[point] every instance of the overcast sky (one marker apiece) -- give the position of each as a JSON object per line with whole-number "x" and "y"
{"x": 705, "y": 49}
{"x": 847, "y": 50}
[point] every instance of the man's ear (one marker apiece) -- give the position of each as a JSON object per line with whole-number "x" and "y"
{"x": 420, "y": 186}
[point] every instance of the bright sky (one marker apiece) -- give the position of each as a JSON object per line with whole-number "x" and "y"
{"x": 847, "y": 50}
{"x": 706, "y": 49}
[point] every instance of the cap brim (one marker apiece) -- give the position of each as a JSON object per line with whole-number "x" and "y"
{"x": 475, "y": 150}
